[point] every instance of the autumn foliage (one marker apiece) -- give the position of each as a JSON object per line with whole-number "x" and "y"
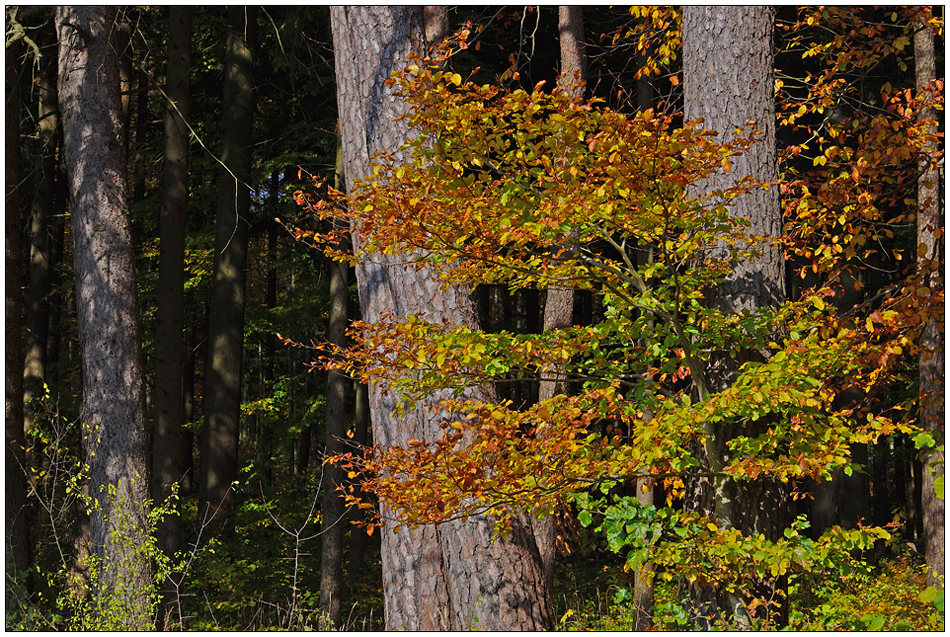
{"x": 533, "y": 189}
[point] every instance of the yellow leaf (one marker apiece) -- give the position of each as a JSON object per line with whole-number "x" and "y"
{"x": 456, "y": 79}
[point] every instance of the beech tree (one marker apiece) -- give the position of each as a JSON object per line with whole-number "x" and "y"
{"x": 113, "y": 399}
{"x": 434, "y": 578}
{"x": 492, "y": 186}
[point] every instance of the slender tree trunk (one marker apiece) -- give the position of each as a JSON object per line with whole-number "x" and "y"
{"x": 270, "y": 339}
{"x": 57, "y": 249}
{"x": 727, "y": 85}
{"x": 358, "y": 536}
{"x": 222, "y": 407}
{"x": 559, "y": 306}
{"x": 331, "y": 562}
{"x": 17, "y": 528}
{"x": 113, "y": 403}
{"x": 44, "y": 209}
{"x": 929, "y": 222}
{"x": 169, "y": 337}
{"x": 444, "y": 577}
{"x": 187, "y": 445}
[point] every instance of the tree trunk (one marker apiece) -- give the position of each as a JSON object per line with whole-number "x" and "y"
{"x": 222, "y": 407}
{"x": 559, "y": 306}
{"x": 358, "y": 536}
{"x": 17, "y": 528}
{"x": 727, "y": 85}
{"x": 270, "y": 339}
{"x": 451, "y": 576}
{"x": 929, "y": 221}
{"x": 187, "y": 445}
{"x": 113, "y": 398}
{"x": 169, "y": 337}
{"x": 44, "y": 209}
{"x": 331, "y": 561}
{"x": 438, "y": 23}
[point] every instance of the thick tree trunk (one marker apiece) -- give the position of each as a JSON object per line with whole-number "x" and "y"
{"x": 929, "y": 222}
{"x": 113, "y": 403}
{"x": 169, "y": 337}
{"x": 222, "y": 407}
{"x": 17, "y": 528}
{"x": 434, "y": 577}
{"x": 727, "y": 85}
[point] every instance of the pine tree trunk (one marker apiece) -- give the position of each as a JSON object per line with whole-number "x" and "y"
{"x": 113, "y": 398}
{"x": 727, "y": 85}
{"x": 222, "y": 406}
{"x": 169, "y": 336}
{"x": 444, "y": 577}
{"x": 932, "y": 406}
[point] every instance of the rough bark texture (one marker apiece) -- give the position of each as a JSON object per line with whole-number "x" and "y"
{"x": 222, "y": 407}
{"x": 113, "y": 397}
{"x": 435, "y": 577}
{"x": 728, "y": 85}
{"x": 929, "y": 222}
{"x": 17, "y": 528}
{"x": 169, "y": 337}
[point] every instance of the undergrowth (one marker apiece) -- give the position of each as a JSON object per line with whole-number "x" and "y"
{"x": 594, "y": 592}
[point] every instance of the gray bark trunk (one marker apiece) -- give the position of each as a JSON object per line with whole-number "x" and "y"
{"x": 931, "y": 341}
{"x": 113, "y": 398}
{"x": 435, "y": 577}
{"x": 727, "y": 85}
{"x": 222, "y": 406}
{"x": 169, "y": 337}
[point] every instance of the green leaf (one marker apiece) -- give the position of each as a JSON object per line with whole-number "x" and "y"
{"x": 873, "y": 622}
{"x": 585, "y": 518}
